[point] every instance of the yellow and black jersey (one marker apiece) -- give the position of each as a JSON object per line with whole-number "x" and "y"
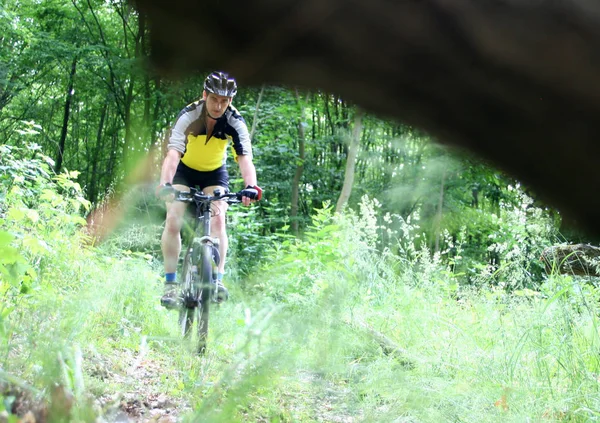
{"x": 188, "y": 136}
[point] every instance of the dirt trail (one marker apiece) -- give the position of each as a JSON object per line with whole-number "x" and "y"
{"x": 141, "y": 400}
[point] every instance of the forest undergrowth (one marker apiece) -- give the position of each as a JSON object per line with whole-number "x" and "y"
{"x": 332, "y": 327}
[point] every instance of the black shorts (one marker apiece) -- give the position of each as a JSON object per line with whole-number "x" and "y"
{"x": 194, "y": 178}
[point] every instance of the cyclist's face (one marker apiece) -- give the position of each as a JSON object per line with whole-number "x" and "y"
{"x": 216, "y": 104}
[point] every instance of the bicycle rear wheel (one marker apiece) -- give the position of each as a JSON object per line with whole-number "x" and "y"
{"x": 206, "y": 286}
{"x": 188, "y": 308}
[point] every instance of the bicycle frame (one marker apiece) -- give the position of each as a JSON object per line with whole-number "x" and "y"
{"x": 201, "y": 259}
{"x": 199, "y": 239}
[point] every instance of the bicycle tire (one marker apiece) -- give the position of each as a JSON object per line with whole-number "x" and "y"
{"x": 205, "y": 283}
{"x": 187, "y": 311}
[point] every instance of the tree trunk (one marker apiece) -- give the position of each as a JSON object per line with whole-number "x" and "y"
{"x": 65, "y": 125}
{"x": 299, "y": 166}
{"x": 351, "y": 161}
{"x": 255, "y": 118}
{"x": 578, "y": 259}
{"x": 129, "y": 146}
{"x": 93, "y": 190}
{"x": 147, "y": 130}
{"x": 328, "y": 114}
{"x": 157, "y": 107}
{"x": 438, "y": 218}
{"x": 6, "y": 94}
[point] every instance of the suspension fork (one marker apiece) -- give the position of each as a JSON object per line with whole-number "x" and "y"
{"x": 207, "y": 239}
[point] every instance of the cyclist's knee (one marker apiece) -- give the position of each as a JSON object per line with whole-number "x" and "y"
{"x": 218, "y": 224}
{"x": 218, "y": 220}
{"x": 173, "y": 224}
{"x": 174, "y": 220}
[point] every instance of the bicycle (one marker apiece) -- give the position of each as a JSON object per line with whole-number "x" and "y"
{"x": 199, "y": 271}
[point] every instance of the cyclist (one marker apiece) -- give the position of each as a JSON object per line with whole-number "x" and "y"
{"x": 196, "y": 156}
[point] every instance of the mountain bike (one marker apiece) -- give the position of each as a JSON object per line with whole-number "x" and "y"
{"x": 198, "y": 283}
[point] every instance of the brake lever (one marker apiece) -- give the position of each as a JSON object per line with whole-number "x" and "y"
{"x": 234, "y": 198}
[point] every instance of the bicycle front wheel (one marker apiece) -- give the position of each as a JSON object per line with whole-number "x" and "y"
{"x": 205, "y": 280}
{"x": 187, "y": 310}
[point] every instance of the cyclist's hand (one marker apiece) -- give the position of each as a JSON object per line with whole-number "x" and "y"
{"x": 251, "y": 193}
{"x": 165, "y": 192}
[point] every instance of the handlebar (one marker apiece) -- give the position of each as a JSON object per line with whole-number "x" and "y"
{"x": 195, "y": 195}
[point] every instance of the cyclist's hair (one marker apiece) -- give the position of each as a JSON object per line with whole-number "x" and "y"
{"x": 220, "y": 83}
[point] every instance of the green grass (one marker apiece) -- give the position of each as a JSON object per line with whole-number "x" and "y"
{"x": 300, "y": 341}
{"x": 484, "y": 357}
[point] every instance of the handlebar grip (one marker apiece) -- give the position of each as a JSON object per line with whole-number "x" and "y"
{"x": 166, "y": 189}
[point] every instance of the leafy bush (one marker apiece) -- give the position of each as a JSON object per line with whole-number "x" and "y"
{"x": 336, "y": 257}
{"x": 40, "y": 219}
{"x": 515, "y": 242}
{"x": 479, "y": 248}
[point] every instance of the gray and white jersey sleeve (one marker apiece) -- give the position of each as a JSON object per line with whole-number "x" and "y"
{"x": 180, "y": 130}
{"x": 239, "y": 133}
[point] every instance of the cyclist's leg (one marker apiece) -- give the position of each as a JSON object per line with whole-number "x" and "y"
{"x": 218, "y": 230}
{"x": 218, "y": 178}
{"x": 171, "y": 237}
{"x": 171, "y": 247}
{"x": 217, "y": 225}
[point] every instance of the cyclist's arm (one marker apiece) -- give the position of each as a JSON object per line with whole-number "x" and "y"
{"x": 177, "y": 141}
{"x": 169, "y": 166}
{"x": 247, "y": 169}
